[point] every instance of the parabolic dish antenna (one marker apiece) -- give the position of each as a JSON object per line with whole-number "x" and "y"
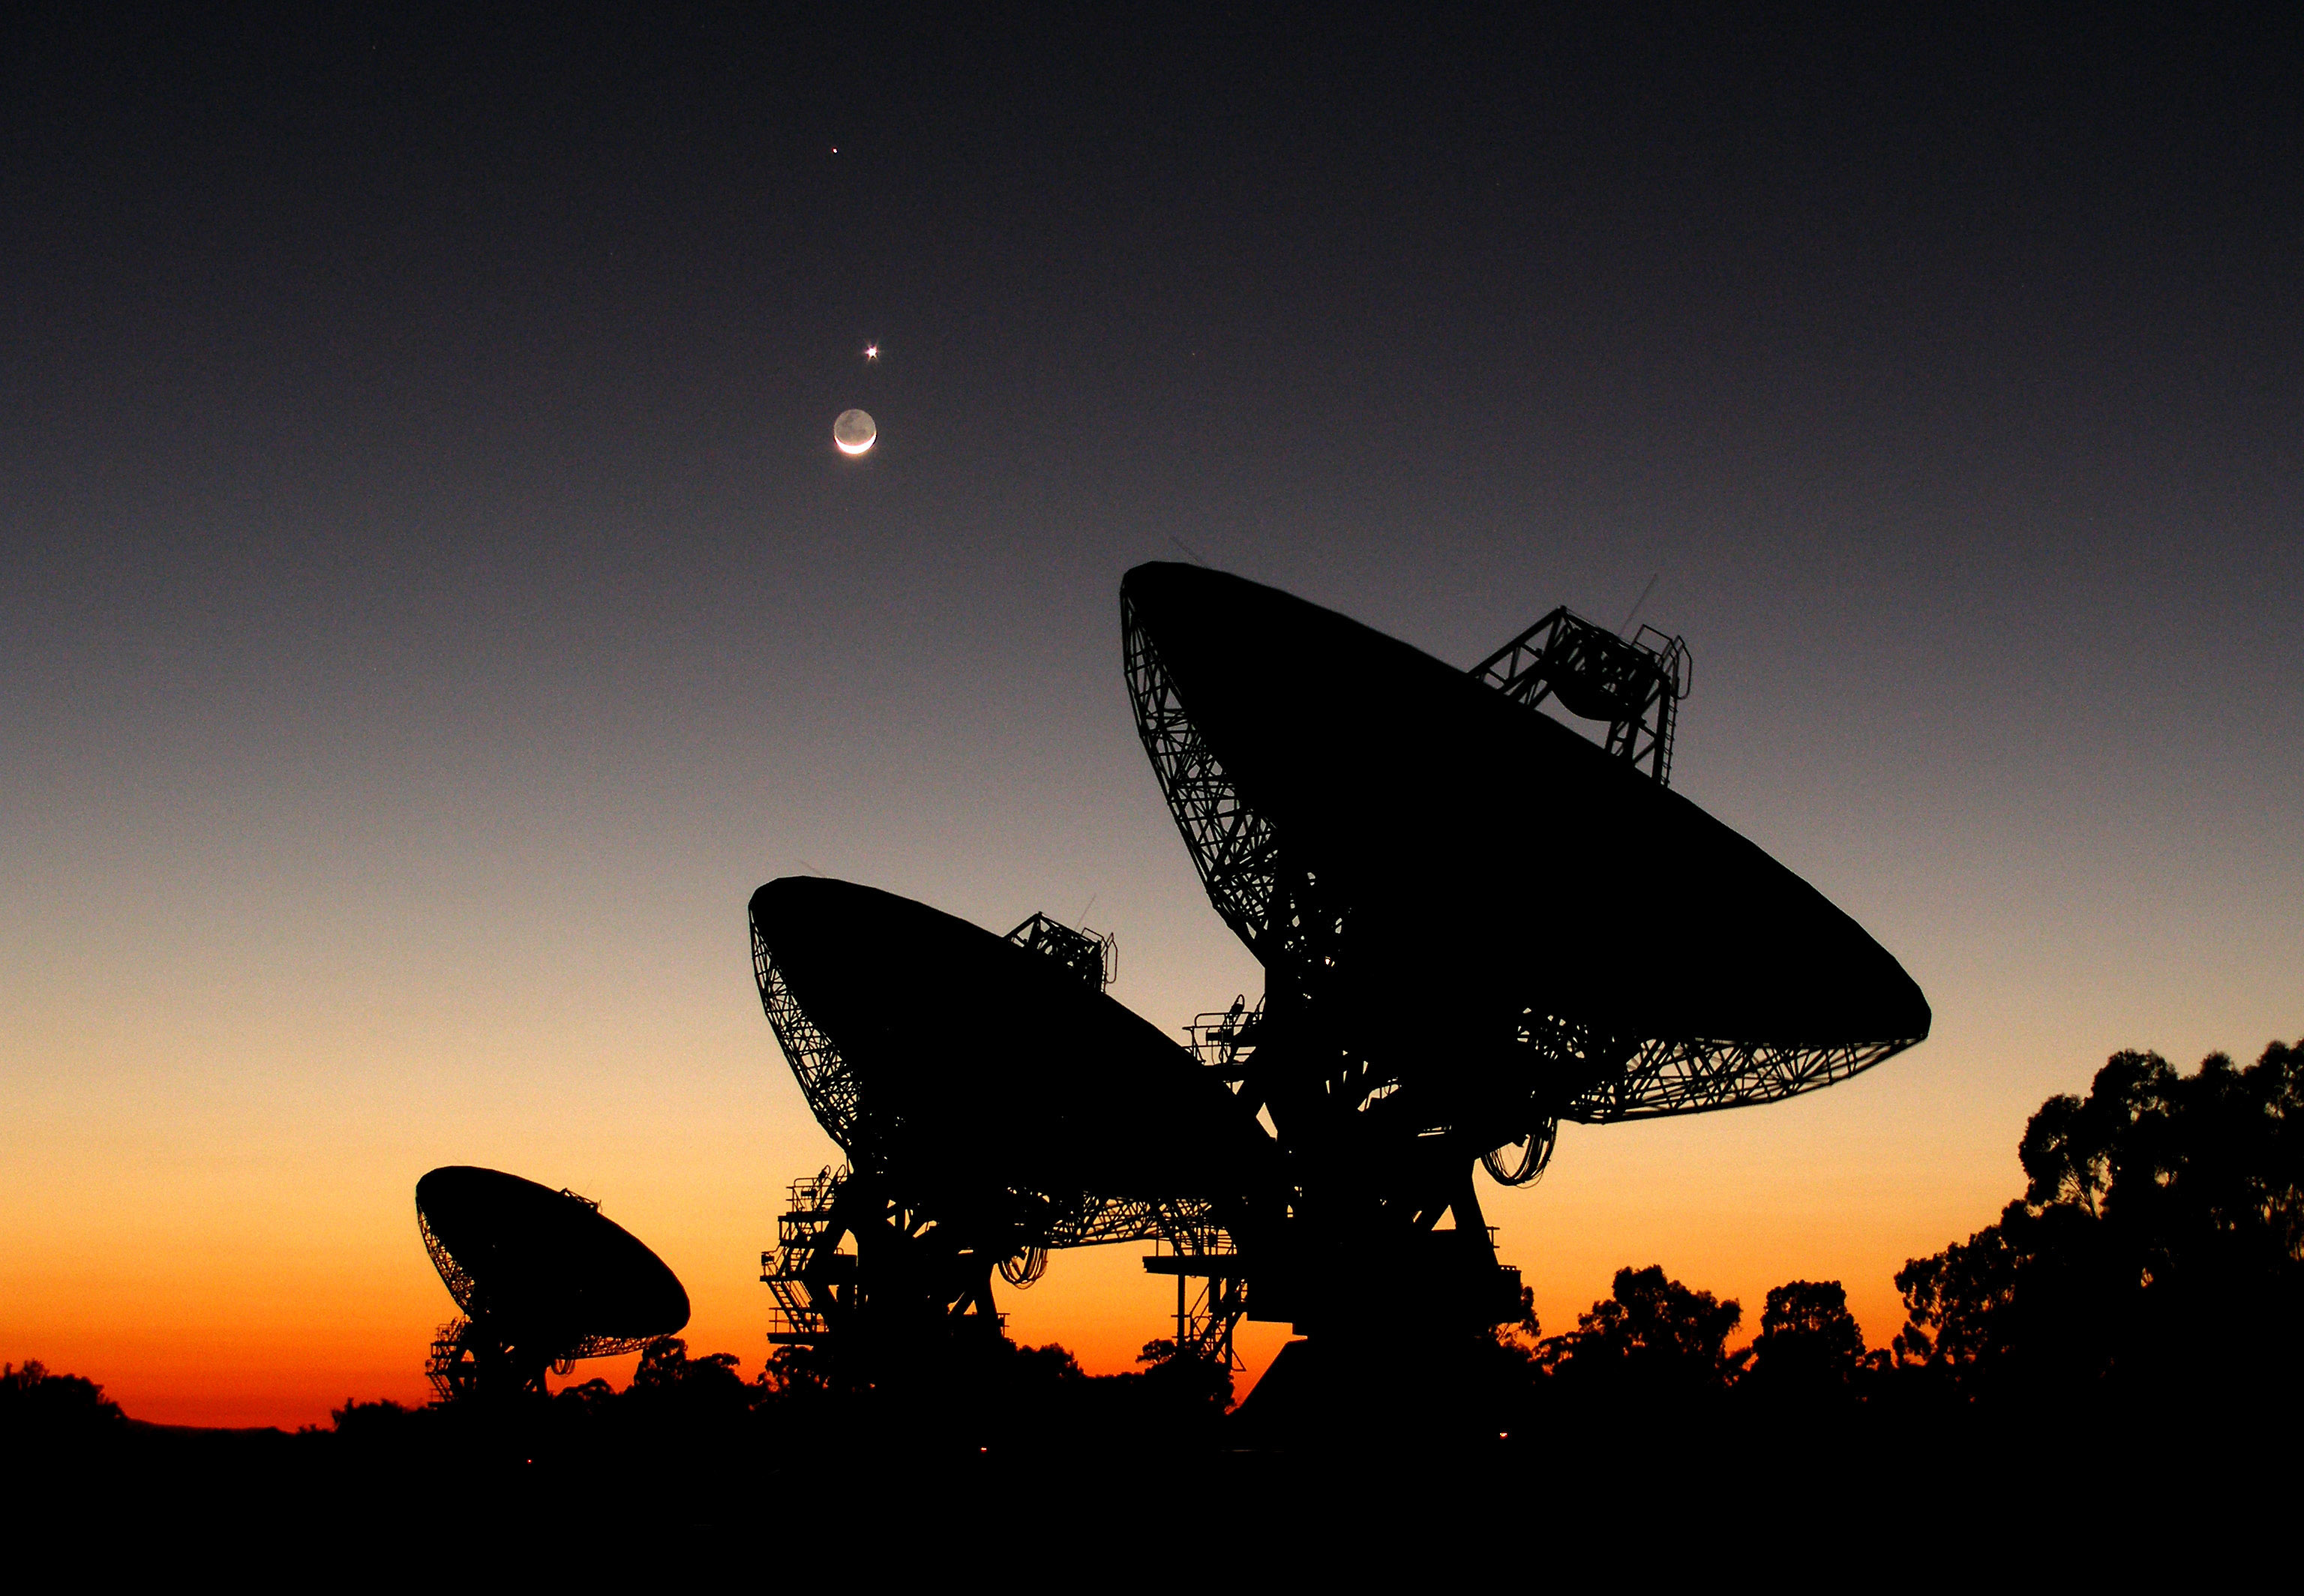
{"x": 925, "y": 1043}
{"x": 1474, "y": 922}
{"x": 1354, "y": 802}
{"x": 993, "y": 1103}
{"x": 541, "y": 1277}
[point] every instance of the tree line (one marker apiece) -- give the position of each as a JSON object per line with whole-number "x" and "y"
{"x": 2154, "y": 1260}
{"x": 2153, "y": 1264}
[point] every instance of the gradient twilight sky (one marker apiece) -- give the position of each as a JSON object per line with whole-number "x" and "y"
{"x": 432, "y": 603}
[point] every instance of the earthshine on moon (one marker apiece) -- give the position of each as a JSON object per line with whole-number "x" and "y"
{"x": 853, "y": 431}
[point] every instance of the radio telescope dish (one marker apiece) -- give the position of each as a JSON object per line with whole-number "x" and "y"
{"x": 991, "y": 1101}
{"x": 923, "y": 1040}
{"x": 541, "y": 1278}
{"x": 1490, "y": 857}
{"x": 1474, "y": 922}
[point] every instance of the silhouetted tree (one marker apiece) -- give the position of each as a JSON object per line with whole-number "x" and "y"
{"x": 2031, "y": 1307}
{"x": 590, "y": 1395}
{"x": 674, "y": 1394}
{"x": 1653, "y": 1340}
{"x": 1511, "y": 1353}
{"x": 2158, "y": 1247}
{"x": 1051, "y": 1364}
{"x": 1809, "y": 1349}
{"x": 1521, "y": 1334}
{"x": 665, "y": 1369}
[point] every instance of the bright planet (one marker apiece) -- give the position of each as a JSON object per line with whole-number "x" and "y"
{"x": 853, "y": 431}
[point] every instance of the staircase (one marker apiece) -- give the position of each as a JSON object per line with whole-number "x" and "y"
{"x": 804, "y": 1228}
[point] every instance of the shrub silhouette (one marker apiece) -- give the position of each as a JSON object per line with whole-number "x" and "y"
{"x": 38, "y": 1407}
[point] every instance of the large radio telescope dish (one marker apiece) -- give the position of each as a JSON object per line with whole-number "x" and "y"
{"x": 1473, "y": 922}
{"x": 1486, "y": 858}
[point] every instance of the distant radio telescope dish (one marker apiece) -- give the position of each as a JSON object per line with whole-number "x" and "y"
{"x": 542, "y": 1279}
{"x": 854, "y": 432}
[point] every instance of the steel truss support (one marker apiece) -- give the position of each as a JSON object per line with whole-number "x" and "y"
{"x": 909, "y": 1266}
{"x": 909, "y": 1272}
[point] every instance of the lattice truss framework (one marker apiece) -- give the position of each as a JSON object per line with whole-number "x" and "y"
{"x": 1664, "y": 1077}
{"x": 1238, "y": 862}
{"x": 808, "y": 1231}
{"x": 452, "y": 1273}
{"x": 1189, "y": 1227}
{"x": 825, "y": 1079}
{"x": 1278, "y": 912}
{"x": 1232, "y": 845}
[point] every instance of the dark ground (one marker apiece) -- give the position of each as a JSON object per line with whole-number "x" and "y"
{"x": 1838, "y": 1499}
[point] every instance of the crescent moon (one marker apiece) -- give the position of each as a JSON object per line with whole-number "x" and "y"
{"x": 854, "y": 432}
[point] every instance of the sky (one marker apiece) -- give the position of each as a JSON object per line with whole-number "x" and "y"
{"x": 433, "y": 602}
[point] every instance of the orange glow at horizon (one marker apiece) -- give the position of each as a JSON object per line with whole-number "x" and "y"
{"x": 315, "y": 1288}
